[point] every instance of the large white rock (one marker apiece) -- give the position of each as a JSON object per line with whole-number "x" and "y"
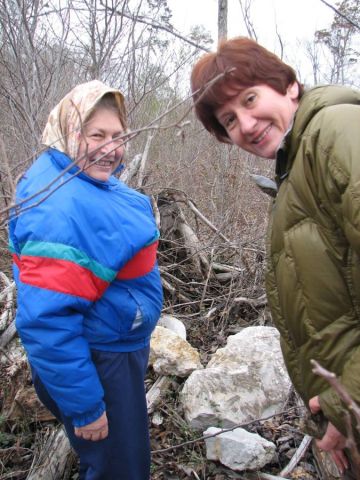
{"x": 174, "y": 324}
{"x": 239, "y": 450}
{"x": 172, "y": 355}
{"x": 243, "y": 381}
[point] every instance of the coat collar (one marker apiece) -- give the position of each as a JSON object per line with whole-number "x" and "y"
{"x": 310, "y": 104}
{"x": 65, "y": 163}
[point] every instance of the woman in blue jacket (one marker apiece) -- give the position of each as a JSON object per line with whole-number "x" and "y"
{"x": 89, "y": 291}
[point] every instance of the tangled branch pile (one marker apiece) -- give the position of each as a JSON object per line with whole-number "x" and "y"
{"x": 214, "y": 282}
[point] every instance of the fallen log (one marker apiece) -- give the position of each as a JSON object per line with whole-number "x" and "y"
{"x": 6, "y": 322}
{"x": 6, "y": 296}
{"x": 6, "y": 290}
{"x": 52, "y": 462}
{"x": 155, "y": 393}
{"x": 8, "y": 335}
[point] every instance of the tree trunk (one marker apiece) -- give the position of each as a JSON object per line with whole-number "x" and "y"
{"x": 222, "y": 19}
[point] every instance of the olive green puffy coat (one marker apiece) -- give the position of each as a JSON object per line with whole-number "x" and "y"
{"x": 313, "y": 274}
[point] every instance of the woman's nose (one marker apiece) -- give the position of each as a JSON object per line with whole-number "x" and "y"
{"x": 109, "y": 146}
{"x": 247, "y": 124}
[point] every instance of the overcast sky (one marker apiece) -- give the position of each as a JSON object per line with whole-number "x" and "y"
{"x": 296, "y": 21}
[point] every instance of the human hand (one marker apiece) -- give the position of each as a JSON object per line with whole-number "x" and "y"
{"x": 94, "y": 431}
{"x": 333, "y": 441}
{"x": 314, "y": 405}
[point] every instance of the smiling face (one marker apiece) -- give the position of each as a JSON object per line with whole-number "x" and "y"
{"x": 101, "y": 150}
{"x": 257, "y": 118}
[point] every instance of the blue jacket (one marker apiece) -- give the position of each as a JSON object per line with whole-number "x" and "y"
{"x": 87, "y": 277}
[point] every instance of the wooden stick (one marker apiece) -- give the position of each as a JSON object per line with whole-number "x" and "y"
{"x": 300, "y": 452}
{"x": 207, "y": 222}
{"x": 8, "y": 335}
{"x": 144, "y": 158}
{"x": 155, "y": 393}
{"x": 352, "y": 407}
{"x": 334, "y": 382}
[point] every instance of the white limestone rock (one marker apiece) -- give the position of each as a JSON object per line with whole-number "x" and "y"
{"x": 172, "y": 355}
{"x": 239, "y": 450}
{"x": 243, "y": 381}
{"x": 174, "y": 324}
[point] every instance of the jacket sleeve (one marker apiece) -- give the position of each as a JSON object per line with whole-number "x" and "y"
{"x": 57, "y": 284}
{"x": 340, "y": 143}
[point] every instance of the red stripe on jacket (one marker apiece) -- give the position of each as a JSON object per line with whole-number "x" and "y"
{"x": 61, "y": 276}
{"x": 16, "y": 260}
{"x": 141, "y": 264}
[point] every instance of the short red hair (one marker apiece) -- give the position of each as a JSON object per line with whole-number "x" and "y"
{"x": 244, "y": 63}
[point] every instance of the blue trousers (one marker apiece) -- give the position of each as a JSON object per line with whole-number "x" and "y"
{"x": 125, "y": 453}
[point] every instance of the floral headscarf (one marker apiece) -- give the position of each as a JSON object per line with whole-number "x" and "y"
{"x": 63, "y": 127}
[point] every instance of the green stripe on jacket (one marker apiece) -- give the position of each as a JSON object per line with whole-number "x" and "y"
{"x": 65, "y": 252}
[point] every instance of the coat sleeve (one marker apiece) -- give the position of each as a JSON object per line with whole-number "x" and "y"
{"x": 340, "y": 143}
{"x": 57, "y": 284}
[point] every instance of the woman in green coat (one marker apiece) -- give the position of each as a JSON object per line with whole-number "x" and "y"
{"x": 313, "y": 264}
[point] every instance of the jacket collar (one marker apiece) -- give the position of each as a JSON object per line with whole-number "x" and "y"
{"x": 65, "y": 163}
{"x": 310, "y": 104}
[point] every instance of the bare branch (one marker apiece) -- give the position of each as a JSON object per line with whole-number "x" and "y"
{"x": 158, "y": 26}
{"x": 342, "y": 15}
{"x": 331, "y": 378}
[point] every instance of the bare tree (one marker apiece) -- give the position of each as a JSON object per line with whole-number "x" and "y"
{"x": 31, "y": 69}
{"x": 341, "y": 14}
{"x": 100, "y": 31}
{"x": 245, "y": 6}
{"x": 313, "y": 54}
{"x": 339, "y": 40}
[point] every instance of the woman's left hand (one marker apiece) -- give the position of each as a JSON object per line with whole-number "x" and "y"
{"x": 333, "y": 441}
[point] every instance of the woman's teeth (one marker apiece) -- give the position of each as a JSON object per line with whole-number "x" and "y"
{"x": 103, "y": 163}
{"x": 263, "y": 135}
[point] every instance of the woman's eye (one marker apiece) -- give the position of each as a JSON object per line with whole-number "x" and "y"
{"x": 229, "y": 121}
{"x": 118, "y": 139}
{"x": 250, "y": 99}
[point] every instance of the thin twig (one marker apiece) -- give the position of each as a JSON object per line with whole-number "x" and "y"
{"x": 240, "y": 425}
{"x": 158, "y": 26}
